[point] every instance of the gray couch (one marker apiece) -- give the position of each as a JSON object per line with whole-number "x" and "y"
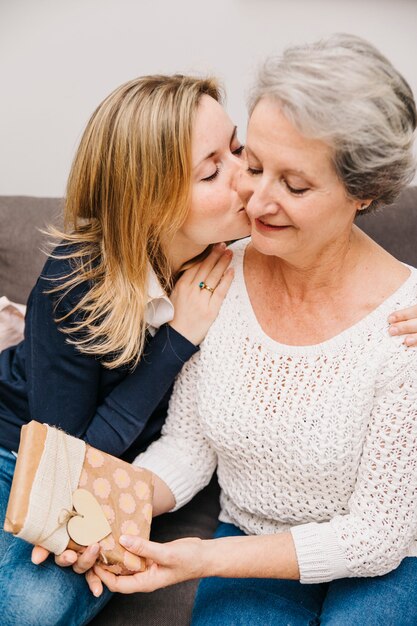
{"x": 21, "y": 260}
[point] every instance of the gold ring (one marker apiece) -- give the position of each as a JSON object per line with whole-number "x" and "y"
{"x": 203, "y": 285}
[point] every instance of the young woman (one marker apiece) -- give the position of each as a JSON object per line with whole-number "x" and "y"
{"x": 149, "y": 191}
{"x": 299, "y": 397}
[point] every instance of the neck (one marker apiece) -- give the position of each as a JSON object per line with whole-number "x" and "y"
{"x": 318, "y": 273}
{"x": 181, "y": 250}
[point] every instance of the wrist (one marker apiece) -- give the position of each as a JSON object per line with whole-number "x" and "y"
{"x": 222, "y": 557}
{"x": 192, "y": 338}
{"x": 209, "y": 558}
{"x": 255, "y": 556}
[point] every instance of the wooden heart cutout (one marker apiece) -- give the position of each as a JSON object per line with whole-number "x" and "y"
{"x": 90, "y": 525}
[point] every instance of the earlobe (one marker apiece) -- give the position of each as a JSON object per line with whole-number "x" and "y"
{"x": 364, "y": 205}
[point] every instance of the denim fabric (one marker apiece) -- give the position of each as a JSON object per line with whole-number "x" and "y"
{"x": 38, "y": 595}
{"x": 388, "y": 600}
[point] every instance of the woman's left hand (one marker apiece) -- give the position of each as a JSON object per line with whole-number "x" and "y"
{"x": 404, "y": 322}
{"x": 167, "y": 564}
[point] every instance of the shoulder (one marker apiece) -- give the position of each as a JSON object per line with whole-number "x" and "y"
{"x": 230, "y": 318}
{"x": 400, "y": 362}
{"x": 56, "y": 281}
{"x": 61, "y": 261}
{"x": 406, "y": 294}
{"x": 238, "y": 248}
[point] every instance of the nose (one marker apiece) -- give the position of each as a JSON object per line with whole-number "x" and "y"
{"x": 237, "y": 174}
{"x": 237, "y": 168}
{"x": 261, "y": 196}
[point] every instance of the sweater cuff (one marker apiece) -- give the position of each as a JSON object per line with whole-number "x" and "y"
{"x": 171, "y": 472}
{"x": 320, "y": 558}
{"x": 167, "y": 338}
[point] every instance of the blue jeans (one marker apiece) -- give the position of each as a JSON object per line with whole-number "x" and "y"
{"x": 38, "y": 595}
{"x": 389, "y": 600}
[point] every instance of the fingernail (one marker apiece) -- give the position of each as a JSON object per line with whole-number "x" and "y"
{"x": 391, "y": 319}
{"x": 393, "y": 330}
{"x": 126, "y": 540}
{"x": 222, "y": 246}
{"x": 97, "y": 591}
{"x": 95, "y": 549}
{"x": 35, "y": 560}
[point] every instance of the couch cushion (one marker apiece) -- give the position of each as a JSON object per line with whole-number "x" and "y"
{"x": 394, "y": 227}
{"x": 21, "y": 241}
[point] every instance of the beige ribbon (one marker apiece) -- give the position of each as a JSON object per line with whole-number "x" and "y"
{"x": 50, "y": 502}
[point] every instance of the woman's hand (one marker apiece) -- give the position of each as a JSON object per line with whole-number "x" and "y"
{"x": 167, "y": 564}
{"x": 195, "y": 308}
{"x": 404, "y": 322}
{"x": 81, "y": 563}
{"x": 257, "y": 556}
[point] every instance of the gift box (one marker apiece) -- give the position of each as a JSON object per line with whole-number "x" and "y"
{"x": 67, "y": 494}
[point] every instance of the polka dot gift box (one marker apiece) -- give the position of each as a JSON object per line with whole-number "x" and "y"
{"x": 66, "y": 494}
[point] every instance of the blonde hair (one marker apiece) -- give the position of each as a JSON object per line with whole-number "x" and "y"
{"x": 128, "y": 193}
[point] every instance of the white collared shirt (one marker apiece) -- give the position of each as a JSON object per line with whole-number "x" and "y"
{"x": 159, "y": 308}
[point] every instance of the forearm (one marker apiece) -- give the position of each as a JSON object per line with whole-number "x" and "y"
{"x": 263, "y": 556}
{"x": 163, "y": 499}
{"x": 267, "y": 556}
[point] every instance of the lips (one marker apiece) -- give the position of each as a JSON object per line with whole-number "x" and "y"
{"x": 261, "y": 225}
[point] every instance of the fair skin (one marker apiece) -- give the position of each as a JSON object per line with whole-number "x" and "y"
{"x": 305, "y": 245}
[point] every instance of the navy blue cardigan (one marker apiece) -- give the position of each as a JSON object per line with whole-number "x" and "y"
{"x": 46, "y": 379}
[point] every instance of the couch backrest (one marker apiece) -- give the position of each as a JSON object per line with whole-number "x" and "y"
{"x": 395, "y": 227}
{"x": 21, "y": 241}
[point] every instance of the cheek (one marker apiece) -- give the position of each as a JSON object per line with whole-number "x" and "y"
{"x": 321, "y": 219}
{"x": 207, "y": 205}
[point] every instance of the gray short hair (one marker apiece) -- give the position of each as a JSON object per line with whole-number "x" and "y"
{"x": 344, "y": 91}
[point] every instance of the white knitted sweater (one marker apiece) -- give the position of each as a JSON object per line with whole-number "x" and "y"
{"x": 320, "y": 440}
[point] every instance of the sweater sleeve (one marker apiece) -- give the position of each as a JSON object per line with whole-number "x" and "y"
{"x": 65, "y": 387}
{"x": 374, "y": 537}
{"x": 183, "y": 457}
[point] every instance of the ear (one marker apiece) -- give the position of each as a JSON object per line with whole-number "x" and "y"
{"x": 363, "y": 204}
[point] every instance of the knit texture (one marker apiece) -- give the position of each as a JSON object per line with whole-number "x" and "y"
{"x": 320, "y": 440}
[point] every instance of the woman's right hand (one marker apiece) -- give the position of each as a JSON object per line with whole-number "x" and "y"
{"x": 195, "y": 308}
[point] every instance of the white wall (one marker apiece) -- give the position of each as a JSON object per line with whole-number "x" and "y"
{"x": 60, "y": 58}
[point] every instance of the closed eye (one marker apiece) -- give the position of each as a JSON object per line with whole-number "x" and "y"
{"x": 238, "y": 150}
{"x": 253, "y": 171}
{"x": 212, "y": 176}
{"x": 296, "y": 191}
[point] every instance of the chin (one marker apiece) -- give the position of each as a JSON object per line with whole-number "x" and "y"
{"x": 244, "y": 230}
{"x": 234, "y": 229}
{"x": 238, "y": 234}
{"x": 267, "y": 246}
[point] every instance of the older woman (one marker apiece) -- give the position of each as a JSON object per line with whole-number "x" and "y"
{"x": 299, "y": 396}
